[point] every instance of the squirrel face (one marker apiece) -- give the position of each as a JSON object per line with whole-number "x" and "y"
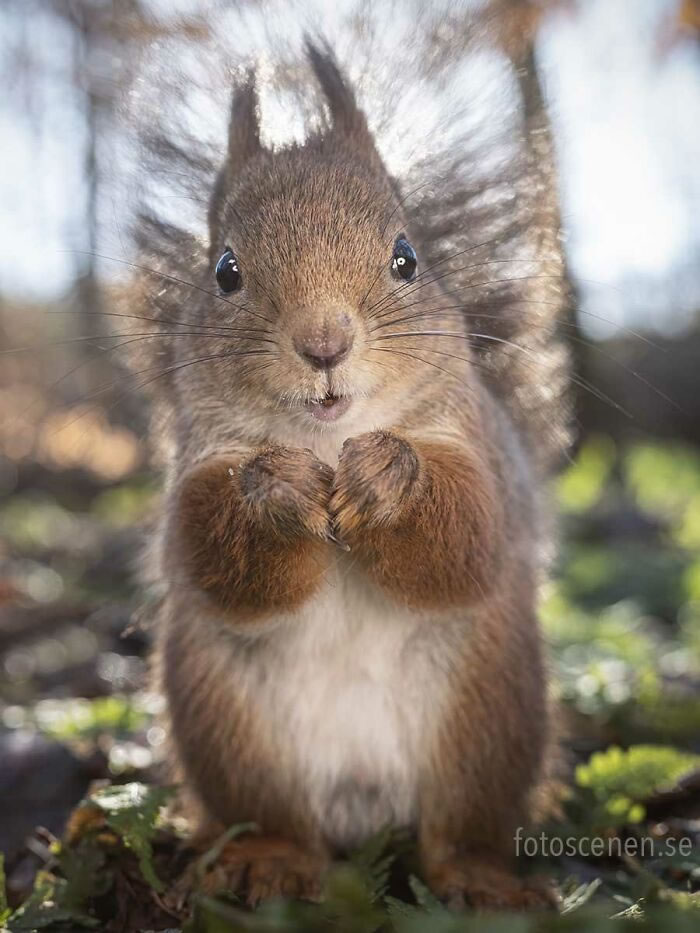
{"x": 317, "y": 254}
{"x": 313, "y": 257}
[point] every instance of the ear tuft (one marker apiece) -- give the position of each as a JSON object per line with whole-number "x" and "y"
{"x": 244, "y": 125}
{"x": 243, "y": 144}
{"x": 347, "y": 117}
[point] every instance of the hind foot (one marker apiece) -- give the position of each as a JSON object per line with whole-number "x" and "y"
{"x": 483, "y": 884}
{"x": 266, "y": 867}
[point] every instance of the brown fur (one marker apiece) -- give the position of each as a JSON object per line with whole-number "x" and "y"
{"x": 211, "y": 726}
{"x": 434, "y": 493}
{"x": 267, "y": 868}
{"x": 425, "y": 519}
{"x": 250, "y": 532}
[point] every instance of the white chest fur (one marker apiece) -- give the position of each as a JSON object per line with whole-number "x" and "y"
{"x": 350, "y": 690}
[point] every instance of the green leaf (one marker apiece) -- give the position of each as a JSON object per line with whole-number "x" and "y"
{"x": 84, "y": 868}
{"x": 424, "y": 896}
{"x": 374, "y": 862}
{"x": 132, "y": 811}
{"x": 65, "y": 900}
{"x": 47, "y": 906}
{"x": 399, "y": 910}
{"x": 347, "y": 894}
{"x": 620, "y": 780}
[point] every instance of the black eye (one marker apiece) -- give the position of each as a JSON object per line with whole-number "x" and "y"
{"x": 404, "y": 260}
{"x": 227, "y": 272}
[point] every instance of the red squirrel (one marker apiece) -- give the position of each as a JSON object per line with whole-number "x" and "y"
{"x": 350, "y": 539}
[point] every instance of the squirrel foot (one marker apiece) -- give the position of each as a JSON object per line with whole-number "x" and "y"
{"x": 264, "y": 868}
{"x": 483, "y": 885}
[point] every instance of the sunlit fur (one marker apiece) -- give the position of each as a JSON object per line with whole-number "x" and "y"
{"x": 347, "y": 636}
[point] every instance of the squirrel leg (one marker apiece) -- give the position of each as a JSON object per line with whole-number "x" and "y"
{"x": 227, "y": 762}
{"x": 232, "y": 775}
{"x": 475, "y": 866}
{"x": 486, "y": 761}
{"x": 250, "y": 532}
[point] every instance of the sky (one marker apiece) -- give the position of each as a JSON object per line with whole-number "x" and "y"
{"x": 627, "y": 121}
{"x": 626, "y": 116}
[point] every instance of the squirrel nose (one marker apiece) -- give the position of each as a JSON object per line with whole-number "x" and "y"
{"x": 324, "y": 352}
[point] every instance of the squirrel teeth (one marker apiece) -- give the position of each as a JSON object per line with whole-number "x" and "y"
{"x": 329, "y": 408}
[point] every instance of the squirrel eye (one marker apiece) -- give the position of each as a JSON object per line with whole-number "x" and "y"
{"x": 404, "y": 260}
{"x": 228, "y": 274}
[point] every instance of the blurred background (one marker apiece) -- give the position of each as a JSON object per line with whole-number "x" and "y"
{"x": 618, "y": 90}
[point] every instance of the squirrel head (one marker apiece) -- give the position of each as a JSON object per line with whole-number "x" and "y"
{"x": 313, "y": 261}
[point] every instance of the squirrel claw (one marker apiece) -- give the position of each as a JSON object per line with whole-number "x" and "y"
{"x": 330, "y": 536}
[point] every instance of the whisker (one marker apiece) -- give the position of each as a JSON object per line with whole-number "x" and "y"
{"x": 412, "y": 356}
{"x": 155, "y": 320}
{"x": 505, "y": 302}
{"x": 169, "y": 277}
{"x": 164, "y": 372}
{"x": 92, "y": 338}
{"x": 592, "y": 347}
{"x": 510, "y": 343}
{"x": 632, "y": 372}
{"x": 181, "y": 365}
{"x": 213, "y": 356}
{"x": 576, "y": 380}
{"x": 455, "y": 356}
{"x": 382, "y": 268}
{"x": 434, "y": 265}
{"x": 402, "y": 202}
{"x": 514, "y": 278}
{"x": 102, "y": 351}
{"x": 478, "y": 265}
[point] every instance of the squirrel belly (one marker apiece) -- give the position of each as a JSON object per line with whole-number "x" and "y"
{"x": 345, "y": 693}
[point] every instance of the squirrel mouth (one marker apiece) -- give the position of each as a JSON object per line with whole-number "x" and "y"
{"x": 328, "y": 408}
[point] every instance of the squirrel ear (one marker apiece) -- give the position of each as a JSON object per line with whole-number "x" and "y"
{"x": 244, "y": 126}
{"x": 347, "y": 117}
{"x": 243, "y": 144}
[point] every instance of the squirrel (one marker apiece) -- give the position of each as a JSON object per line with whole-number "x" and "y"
{"x": 351, "y": 539}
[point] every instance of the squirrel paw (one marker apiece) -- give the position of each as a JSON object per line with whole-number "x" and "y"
{"x": 471, "y": 882}
{"x": 375, "y": 479}
{"x": 288, "y": 488}
{"x": 264, "y": 868}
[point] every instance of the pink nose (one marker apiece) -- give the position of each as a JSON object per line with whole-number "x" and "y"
{"x": 324, "y": 352}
